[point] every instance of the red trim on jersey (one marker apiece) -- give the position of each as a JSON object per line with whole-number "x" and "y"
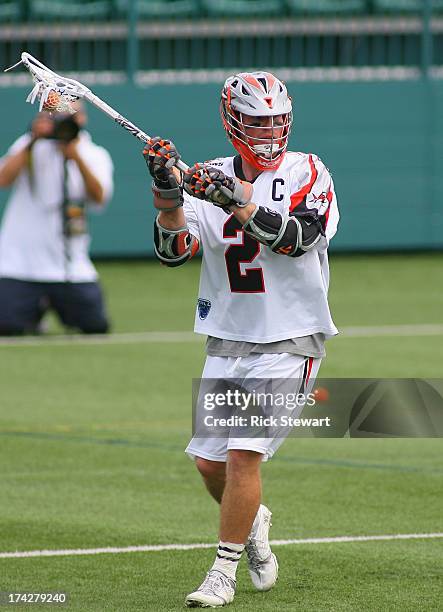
{"x": 329, "y": 197}
{"x": 297, "y": 198}
{"x": 326, "y": 215}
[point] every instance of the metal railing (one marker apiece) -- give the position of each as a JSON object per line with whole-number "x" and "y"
{"x": 133, "y": 46}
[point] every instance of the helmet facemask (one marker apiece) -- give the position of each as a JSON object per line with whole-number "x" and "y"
{"x": 257, "y": 96}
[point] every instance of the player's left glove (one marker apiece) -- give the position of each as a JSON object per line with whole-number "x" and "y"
{"x": 212, "y": 185}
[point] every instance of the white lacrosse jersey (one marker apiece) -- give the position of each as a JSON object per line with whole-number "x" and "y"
{"x": 249, "y": 293}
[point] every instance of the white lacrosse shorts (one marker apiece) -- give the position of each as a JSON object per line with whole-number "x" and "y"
{"x": 280, "y": 366}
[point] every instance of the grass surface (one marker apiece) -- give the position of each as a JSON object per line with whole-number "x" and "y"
{"x": 91, "y": 455}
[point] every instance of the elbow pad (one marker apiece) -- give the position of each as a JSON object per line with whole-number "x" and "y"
{"x": 174, "y": 247}
{"x": 286, "y": 235}
{"x": 312, "y": 229}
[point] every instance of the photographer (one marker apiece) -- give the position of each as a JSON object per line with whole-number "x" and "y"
{"x": 57, "y": 173}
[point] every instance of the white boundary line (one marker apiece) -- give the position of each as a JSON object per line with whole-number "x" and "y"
{"x": 189, "y": 336}
{"x": 419, "y": 329}
{"x": 118, "y": 338}
{"x": 162, "y": 547}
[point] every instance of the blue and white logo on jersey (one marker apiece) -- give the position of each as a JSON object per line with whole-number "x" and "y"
{"x": 204, "y": 306}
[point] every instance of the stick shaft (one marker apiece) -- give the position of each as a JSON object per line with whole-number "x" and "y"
{"x": 125, "y": 123}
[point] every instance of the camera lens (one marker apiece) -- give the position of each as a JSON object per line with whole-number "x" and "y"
{"x": 65, "y": 128}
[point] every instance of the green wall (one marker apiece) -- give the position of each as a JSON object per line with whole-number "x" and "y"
{"x": 383, "y": 143}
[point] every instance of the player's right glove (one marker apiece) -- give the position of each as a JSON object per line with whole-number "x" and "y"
{"x": 160, "y": 156}
{"x": 212, "y": 185}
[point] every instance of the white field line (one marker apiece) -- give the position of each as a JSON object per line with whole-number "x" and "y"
{"x": 118, "y": 338}
{"x": 162, "y": 547}
{"x": 419, "y": 329}
{"x": 147, "y": 337}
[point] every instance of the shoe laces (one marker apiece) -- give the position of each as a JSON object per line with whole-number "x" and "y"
{"x": 257, "y": 548}
{"x": 215, "y": 581}
{"x": 254, "y": 557}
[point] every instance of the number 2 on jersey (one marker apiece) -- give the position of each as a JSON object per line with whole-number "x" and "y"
{"x": 251, "y": 280}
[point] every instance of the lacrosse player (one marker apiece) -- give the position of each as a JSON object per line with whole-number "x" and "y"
{"x": 57, "y": 174}
{"x": 264, "y": 219}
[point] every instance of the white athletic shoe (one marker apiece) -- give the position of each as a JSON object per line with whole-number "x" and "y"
{"x": 216, "y": 590}
{"x": 262, "y": 563}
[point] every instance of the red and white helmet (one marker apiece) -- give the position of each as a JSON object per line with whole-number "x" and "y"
{"x": 257, "y": 94}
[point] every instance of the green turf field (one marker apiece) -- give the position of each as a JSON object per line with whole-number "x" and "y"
{"x": 91, "y": 456}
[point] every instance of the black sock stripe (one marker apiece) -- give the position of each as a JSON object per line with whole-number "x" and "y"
{"x": 229, "y": 554}
{"x": 228, "y": 558}
{"x": 234, "y": 552}
{"x": 222, "y": 553}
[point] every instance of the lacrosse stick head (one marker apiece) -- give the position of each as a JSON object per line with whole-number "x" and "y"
{"x": 54, "y": 92}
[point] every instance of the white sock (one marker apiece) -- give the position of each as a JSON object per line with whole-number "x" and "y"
{"x": 227, "y": 558}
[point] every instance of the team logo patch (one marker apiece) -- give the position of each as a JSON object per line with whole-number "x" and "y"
{"x": 204, "y": 306}
{"x": 322, "y": 197}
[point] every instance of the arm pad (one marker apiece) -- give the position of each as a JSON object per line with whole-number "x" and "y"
{"x": 174, "y": 247}
{"x": 290, "y": 235}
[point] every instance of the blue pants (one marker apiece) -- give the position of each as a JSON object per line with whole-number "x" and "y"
{"x": 78, "y": 305}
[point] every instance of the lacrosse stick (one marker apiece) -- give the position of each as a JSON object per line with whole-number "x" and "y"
{"x": 56, "y": 93}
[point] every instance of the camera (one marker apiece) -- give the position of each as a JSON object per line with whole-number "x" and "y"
{"x": 65, "y": 128}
